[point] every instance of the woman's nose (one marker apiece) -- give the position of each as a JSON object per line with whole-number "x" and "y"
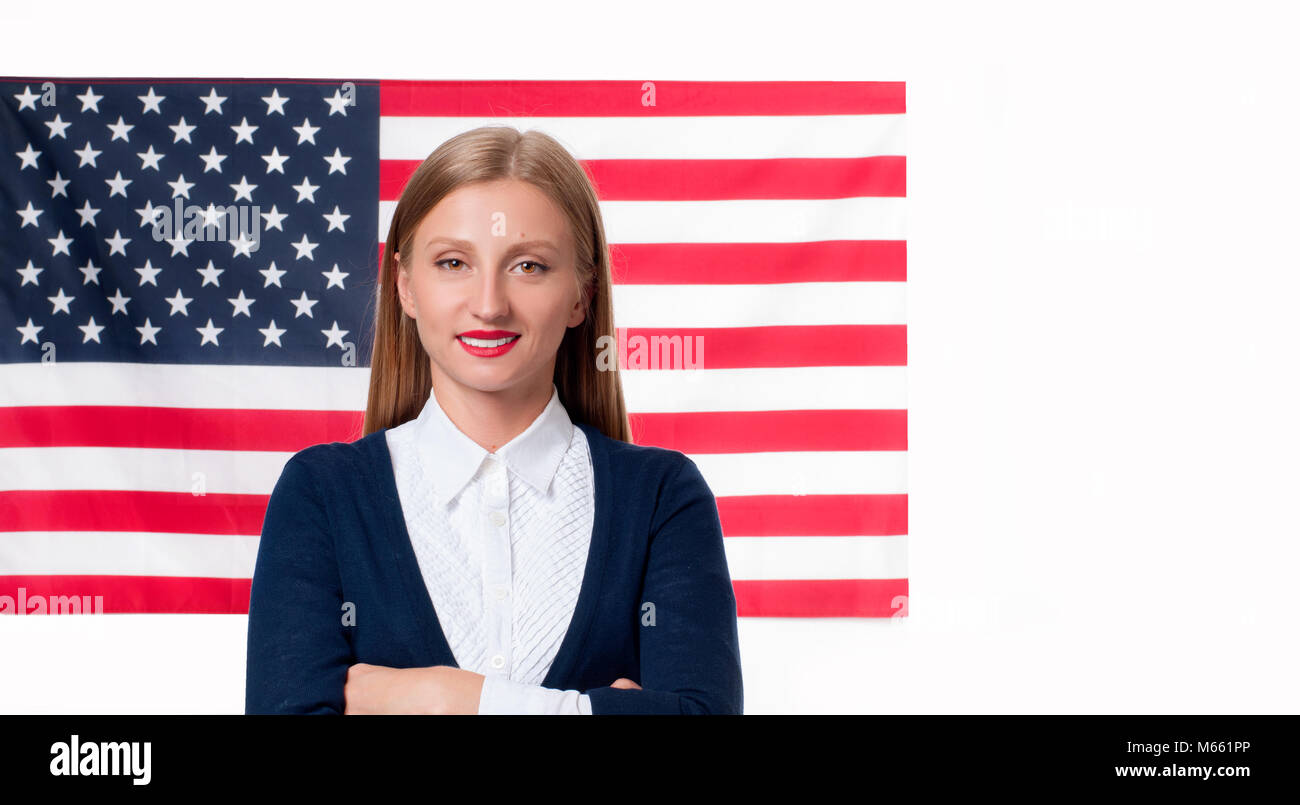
{"x": 488, "y": 298}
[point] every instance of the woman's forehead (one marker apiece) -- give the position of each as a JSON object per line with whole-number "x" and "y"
{"x": 521, "y": 213}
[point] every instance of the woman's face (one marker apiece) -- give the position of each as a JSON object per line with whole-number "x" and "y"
{"x": 493, "y": 262}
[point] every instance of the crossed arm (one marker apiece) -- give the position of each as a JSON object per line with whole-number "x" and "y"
{"x": 444, "y": 690}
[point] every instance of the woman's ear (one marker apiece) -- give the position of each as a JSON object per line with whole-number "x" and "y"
{"x": 579, "y": 312}
{"x": 404, "y": 295}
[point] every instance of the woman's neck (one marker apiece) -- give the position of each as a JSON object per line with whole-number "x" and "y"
{"x": 490, "y": 419}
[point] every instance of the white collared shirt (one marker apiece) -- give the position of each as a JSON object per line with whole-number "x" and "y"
{"x": 502, "y": 540}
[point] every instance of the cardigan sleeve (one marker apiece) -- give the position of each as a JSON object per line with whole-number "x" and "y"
{"x": 298, "y": 653}
{"x": 690, "y": 651}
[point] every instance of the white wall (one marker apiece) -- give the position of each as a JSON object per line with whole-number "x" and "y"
{"x": 1103, "y": 334}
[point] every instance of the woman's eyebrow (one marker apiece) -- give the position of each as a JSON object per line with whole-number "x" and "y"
{"x": 529, "y": 245}
{"x": 522, "y": 246}
{"x": 456, "y": 243}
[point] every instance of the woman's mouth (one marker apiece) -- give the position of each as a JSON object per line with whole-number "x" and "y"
{"x": 487, "y": 345}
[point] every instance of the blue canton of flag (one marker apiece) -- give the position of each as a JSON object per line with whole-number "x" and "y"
{"x": 214, "y": 222}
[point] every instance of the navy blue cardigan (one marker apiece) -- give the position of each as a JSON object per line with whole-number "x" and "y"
{"x": 334, "y": 534}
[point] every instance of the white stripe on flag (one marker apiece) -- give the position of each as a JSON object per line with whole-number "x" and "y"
{"x": 670, "y": 137}
{"x": 339, "y": 389}
{"x": 254, "y": 472}
{"x": 775, "y": 305}
{"x": 772, "y": 558}
{"x": 788, "y": 389}
{"x": 131, "y": 553}
{"x": 740, "y": 220}
{"x": 845, "y": 472}
{"x": 186, "y": 386}
{"x": 144, "y": 469}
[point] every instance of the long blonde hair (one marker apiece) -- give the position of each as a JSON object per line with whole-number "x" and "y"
{"x": 400, "y": 377}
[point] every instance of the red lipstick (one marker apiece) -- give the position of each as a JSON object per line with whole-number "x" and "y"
{"x": 489, "y": 343}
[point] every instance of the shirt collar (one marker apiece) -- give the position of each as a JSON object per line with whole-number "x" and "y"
{"x": 452, "y": 459}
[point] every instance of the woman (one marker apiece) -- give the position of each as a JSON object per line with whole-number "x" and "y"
{"x": 494, "y": 542}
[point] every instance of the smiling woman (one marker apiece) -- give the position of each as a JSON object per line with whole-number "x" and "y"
{"x": 485, "y": 214}
{"x": 494, "y": 543}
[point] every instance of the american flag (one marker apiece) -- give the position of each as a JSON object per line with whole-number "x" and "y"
{"x": 159, "y": 370}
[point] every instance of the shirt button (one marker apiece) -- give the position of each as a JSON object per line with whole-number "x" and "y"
{"x": 497, "y": 518}
{"x": 501, "y": 591}
{"x": 498, "y": 661}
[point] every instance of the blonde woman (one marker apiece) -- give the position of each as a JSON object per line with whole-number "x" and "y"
{"x": 494, "y": 543}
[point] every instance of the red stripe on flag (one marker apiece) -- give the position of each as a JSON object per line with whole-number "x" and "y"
{"x": 112, "y": 510}
{"x": 190, "y": 428}
{"x": 716, "y": 179}
{"x": 821, "y": 598}
{"x": 234, "y": 429}
{"x": 764, "y": 347}
{"x": 815, "y": 515}
{"x": 498, "y": 99}
{"x": 393, "y": 176}
{"x": 772, "y": 431}
{"x": 134, "y": 594}
{"x": 182, "y": 513}
{"x": 721, "y": 179}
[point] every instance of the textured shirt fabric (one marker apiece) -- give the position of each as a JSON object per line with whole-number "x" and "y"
{"x": 337, "y": 582}
{"x": 501, "y": 539}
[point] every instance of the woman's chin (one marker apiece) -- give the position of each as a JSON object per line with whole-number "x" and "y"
{"x": 486, "y": 378}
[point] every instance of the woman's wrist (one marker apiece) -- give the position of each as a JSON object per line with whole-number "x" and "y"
{"x": 451, "y": 691}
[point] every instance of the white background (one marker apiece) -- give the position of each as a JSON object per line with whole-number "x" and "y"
{"x": 1102, "y": 333}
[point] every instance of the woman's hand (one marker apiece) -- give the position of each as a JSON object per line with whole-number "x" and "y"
{"x": 436, "y": 690}
{"x": 625, "y": 684}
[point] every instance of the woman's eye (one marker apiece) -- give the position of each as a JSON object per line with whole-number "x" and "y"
{"x": 538, "y": 268}
{"x": 449, "y": 260}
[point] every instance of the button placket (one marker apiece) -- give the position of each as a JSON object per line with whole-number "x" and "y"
{"x": 497, "y": 571}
